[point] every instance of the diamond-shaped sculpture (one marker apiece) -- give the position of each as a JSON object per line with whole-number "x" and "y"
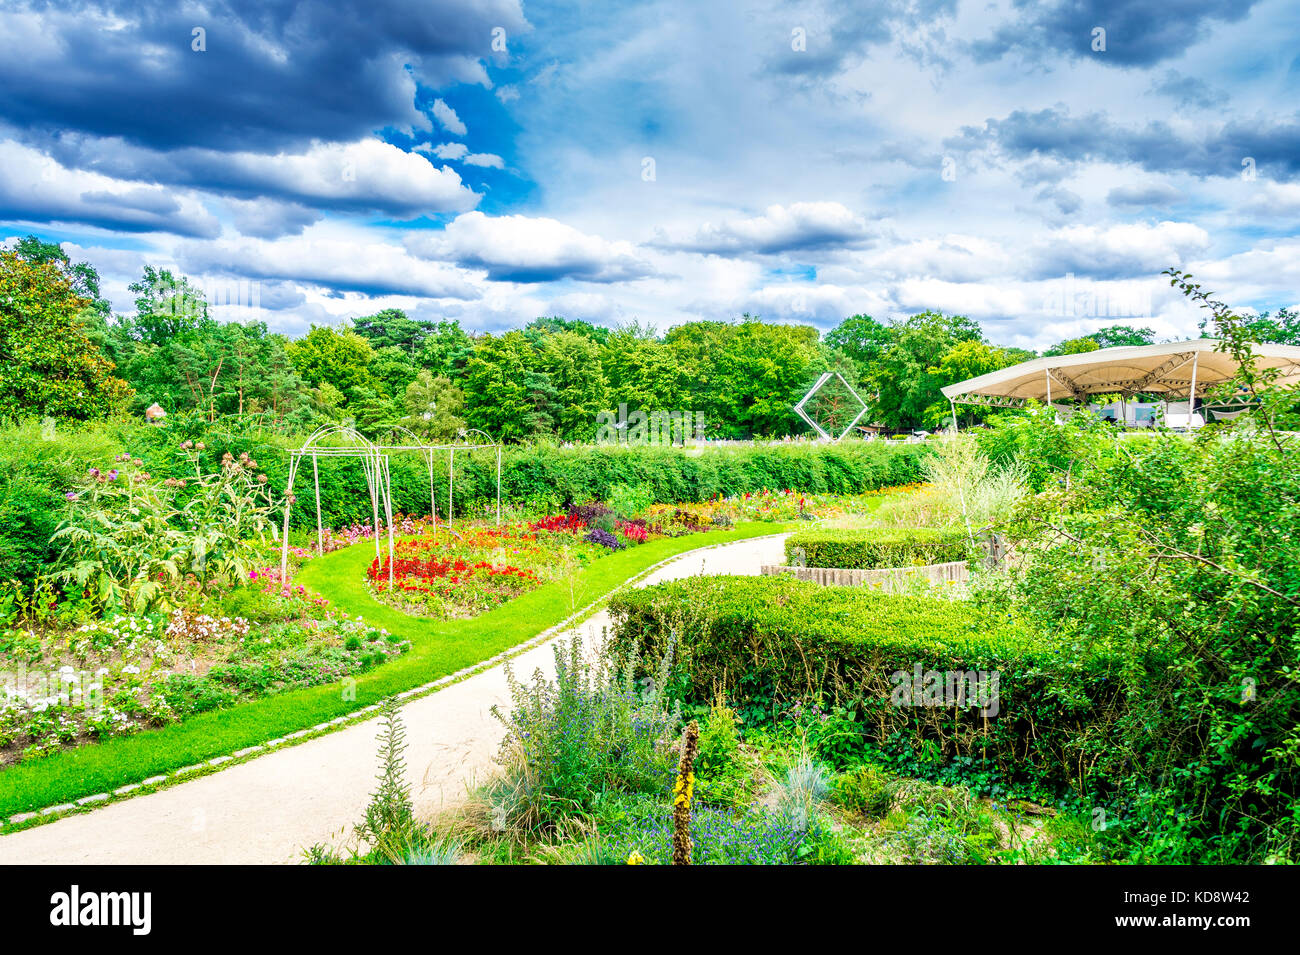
{"x": 827, "y": 436}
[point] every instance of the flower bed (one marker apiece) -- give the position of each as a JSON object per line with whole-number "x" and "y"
{"x": 466, "y": 571}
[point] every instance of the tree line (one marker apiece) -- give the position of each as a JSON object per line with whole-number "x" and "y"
{"x": 65, "y": 354}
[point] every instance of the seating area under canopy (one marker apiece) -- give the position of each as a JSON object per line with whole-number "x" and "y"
{"x": 1185, "y": 370}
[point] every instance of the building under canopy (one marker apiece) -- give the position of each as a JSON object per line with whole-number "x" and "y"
{"x": 1175, "y": 370}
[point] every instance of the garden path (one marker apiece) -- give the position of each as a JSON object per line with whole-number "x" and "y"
{"x": 270, "y": 808}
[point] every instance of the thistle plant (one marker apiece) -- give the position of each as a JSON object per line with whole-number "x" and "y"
{"x": 390, "y": 817}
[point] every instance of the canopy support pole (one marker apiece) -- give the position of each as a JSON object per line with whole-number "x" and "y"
{"x": 1191, "y": 394}
{"x": 1047, "y": 374}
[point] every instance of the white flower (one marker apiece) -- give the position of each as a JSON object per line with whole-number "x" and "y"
{"x": 130, "y": 668}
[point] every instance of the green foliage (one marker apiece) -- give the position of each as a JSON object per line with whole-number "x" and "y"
{"x": 721, "y": 776}
{"x": 127, "y": 534}
{"x": 48, "y": 364}
{"x": 872, "y": 548}
{"x": 390, "y": 817}
{"x": 1048, "y": 455}
{"x": 864, "y": 791}
{"x": 770, "y": 643}
{"x": 591, "y": 731}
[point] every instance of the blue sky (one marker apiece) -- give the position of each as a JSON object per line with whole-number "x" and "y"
{"x": 660, "y": 162}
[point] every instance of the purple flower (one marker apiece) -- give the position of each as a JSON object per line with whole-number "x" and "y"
{"x": 71, "y": 495}
{"x": 112, "y": 475}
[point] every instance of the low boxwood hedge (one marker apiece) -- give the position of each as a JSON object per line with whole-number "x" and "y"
{"x": 877, "y": 547}
{"x": 895, "y": 662}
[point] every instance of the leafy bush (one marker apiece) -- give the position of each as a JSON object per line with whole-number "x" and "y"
{"x": 897, "y": 662}
{"x": 721, "y": 777}
{"x": 864, "y": 791}
{"x": 591, "y": 731}
{"x": 877, "y": 547}
{"x": 1173, "y": 551}
{"x": 537, "y": 477}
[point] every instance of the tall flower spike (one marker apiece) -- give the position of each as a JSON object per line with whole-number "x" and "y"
{"x": 683, "y": 791}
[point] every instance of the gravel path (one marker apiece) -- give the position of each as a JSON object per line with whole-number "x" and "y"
{"x": 267, "y": 810}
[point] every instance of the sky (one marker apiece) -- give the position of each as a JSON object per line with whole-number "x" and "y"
{"x": 1033, "y": 165}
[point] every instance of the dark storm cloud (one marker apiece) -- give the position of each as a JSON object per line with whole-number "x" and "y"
{"x": 1273, "y": 144}
{"x": 275, "y": 74}
{"x": 1138, "y": 32}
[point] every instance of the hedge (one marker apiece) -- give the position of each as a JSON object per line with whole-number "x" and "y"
{"x": 877, "y": 547}
{"x": 771, "y": 642}
{"x": 537, "y": 477}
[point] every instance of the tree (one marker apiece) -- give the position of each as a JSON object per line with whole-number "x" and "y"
{"x": 434, "y": 407}
{"x": 572, "y": 364}
{"x": 82, "y": 276}
{"x": 342, "y": 358}
{"x": 861, "y": 338}
{"x": 1278, "y": 328}
{"x": 966, "y": 359}
{"x": 497, "y": 386}
{"x": 903, "y": 387}
{"x": 539, "y": 328}
{"x": 1117, "y": 336}
{"x": 392, "y": 328}
{"x": 48, "y": 365}
{"x": 446, "y": 350}
{"x": 166, "y": 307}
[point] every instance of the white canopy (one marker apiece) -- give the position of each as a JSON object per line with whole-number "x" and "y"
{"x": 1174, "y": 369}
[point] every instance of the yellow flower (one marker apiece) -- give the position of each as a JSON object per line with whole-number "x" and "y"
{"x": 683, "y": 790}
{"x": 636, "y": 858}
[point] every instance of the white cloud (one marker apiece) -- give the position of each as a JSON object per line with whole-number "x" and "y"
{"x": 447, "y": 118}
{"x": 365, "y": 174}
{"x": 331, "y": 258}
{"x": 1116, "y": 251}
{"x": 800, "y": 226}
{"x": 487, "y": 160}
{"x": 520, "y": 248}
{"x": 445, "y": 150}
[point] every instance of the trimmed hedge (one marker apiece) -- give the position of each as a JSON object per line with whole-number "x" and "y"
{"x": 772, "y": 642}
{"x": 878, "y": 547}
{"x": 536, "y": 476}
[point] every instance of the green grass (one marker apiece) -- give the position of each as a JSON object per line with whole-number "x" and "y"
{"x": 439, "y": 648}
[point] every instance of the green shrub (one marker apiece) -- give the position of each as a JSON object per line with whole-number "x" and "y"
{"x": 865, "y": 791}
{"x": 777, "y": 642}
{"x": 535, "y": 476}
{"x": 877, "y": 547}
{"x": 721, "y": 778}
{"x": 572, "y": 741}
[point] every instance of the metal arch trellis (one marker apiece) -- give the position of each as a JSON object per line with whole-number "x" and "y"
{"x": 466, "y": 445}
{"x": 374, "y": 462}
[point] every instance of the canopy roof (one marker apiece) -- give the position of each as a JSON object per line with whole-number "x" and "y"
{"x": 1166, "y": 369}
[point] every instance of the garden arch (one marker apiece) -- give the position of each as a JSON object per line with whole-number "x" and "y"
{"x": 374, "y": 462}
